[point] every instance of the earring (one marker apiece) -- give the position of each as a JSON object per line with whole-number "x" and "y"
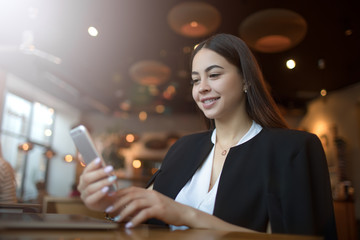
{"x": 245, "y": 90}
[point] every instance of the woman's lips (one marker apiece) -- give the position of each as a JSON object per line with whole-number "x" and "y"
{"x": 209, "y": 102}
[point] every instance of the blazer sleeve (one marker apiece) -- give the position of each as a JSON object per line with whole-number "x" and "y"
{"x": 307, "y": 197}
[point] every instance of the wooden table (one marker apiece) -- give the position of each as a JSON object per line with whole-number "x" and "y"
{"x": 142, "y": 232}
{"x": 20, "y": 208}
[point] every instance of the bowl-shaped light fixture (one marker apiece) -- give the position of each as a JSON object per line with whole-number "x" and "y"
{"x": 149, "y": 72}
{"x": 194, "y": 19}
{"x": 273, "y": 30}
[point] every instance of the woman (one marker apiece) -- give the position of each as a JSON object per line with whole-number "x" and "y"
{"x": 7, "y": 182}
{"x": 247, "y": 173}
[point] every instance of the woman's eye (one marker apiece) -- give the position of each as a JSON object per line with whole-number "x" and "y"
{"x": 194, "y": 81}
{"x": 214, "y": 75}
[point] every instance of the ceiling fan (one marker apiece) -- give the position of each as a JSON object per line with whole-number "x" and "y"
{"x": 27, "y": 47}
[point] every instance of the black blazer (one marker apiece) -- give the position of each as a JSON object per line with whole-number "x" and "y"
{"x": 280, "y": 176}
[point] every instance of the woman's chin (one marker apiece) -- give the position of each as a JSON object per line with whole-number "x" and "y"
{"x": 209, "y": 115}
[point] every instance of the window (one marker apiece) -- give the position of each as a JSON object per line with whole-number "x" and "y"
{"x": 32, "y": 123}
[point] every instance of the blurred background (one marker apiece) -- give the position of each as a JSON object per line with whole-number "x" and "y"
{"x": 121, "y": 68}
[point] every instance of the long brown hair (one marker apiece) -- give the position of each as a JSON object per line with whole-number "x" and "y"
{"x": 260, "y": 106}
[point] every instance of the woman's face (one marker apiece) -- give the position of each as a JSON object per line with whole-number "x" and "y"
{"x": 217, "y": 85}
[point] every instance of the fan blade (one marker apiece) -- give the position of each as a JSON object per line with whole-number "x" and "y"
{"x": 42, "y": 54}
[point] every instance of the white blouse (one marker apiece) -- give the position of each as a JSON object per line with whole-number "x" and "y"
{"x": 196, "y": 191}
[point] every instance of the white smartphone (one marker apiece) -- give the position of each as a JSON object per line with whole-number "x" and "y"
{"x": 86, "y": 146}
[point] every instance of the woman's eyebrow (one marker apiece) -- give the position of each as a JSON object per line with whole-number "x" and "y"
{"x": 207, "y": 69}
{"x": 212, "y": 67}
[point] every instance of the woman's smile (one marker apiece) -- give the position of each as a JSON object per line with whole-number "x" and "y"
{"x": 209, "y": 102}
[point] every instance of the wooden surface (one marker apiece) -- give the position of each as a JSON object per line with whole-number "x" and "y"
{"x": 20, "y": 207}
{"x": 68, "y": 205}
{"x": 345, "y": 220}
{"x": 143, "y": 232}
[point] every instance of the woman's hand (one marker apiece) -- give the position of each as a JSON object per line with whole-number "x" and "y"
{"x": 94, "y": 186}
{"x": 136, "y": 205}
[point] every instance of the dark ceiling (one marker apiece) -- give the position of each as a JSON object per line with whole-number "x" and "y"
{"x": 93, "y": 73}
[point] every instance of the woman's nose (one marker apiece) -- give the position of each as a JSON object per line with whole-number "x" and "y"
{"x": 204, "y": 87}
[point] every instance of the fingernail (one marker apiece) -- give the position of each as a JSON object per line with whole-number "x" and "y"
{"x": 129, "y": 225}
{"x": 108, "y": 169}
{"x": 112, "y": 178}
{"x": 117, "y": 218}
{"x": 105, "y": 189}
{"x": 109, "y": 209}
{"x": 97, "y": 161}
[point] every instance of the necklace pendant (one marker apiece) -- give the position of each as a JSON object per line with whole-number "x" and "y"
{"x": 223, "y": 152}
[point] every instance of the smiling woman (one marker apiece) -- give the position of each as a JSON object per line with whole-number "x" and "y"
{"x": 247, "y": 173}
{"x": 218, "y": 88}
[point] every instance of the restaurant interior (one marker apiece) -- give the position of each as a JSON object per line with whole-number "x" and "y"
{"x": 121, "y": 68}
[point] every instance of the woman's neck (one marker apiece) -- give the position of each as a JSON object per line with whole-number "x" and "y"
{"x": 229, "y": 132}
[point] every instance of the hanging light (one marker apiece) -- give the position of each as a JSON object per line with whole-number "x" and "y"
{"x": 273, "y": 30}
{"x": 194, "y": 19}
{"x": 49, "y": 153}
{"x": 25, "y": 147}
{"x": 136, "y": 163}
{"x": 68, "y": 158}
{"x": 149, "y": 72}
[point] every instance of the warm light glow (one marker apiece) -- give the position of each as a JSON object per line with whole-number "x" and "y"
{"x": 142, "y": 116}
{"x": 136, "y": 163}
{"x": 93, "y": 31}
{"x": 153, "y": 170}
{"x": 82, "y": 164}
{"x": 130, "y": 138}
{"x": 49, "y": 153}
{"x": 25, "y": 147}
{"x": 160, "y": 108}
{"x": 125, "y": 106}
{"x": 68, "y": 158}
{"x": 290, "y": 64}
{"x": 348, "y": 32}
{"x": 196, "y": 46}
{"x": 320, "y": 128}
{"x": 273, "y": 43}
{"x": 194, "y": 24}
{"x": 48, "y": 132}
{"x": 323, "y": 92}
{"x": 169, "y": 92}
{"x": 171, "y": 89}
